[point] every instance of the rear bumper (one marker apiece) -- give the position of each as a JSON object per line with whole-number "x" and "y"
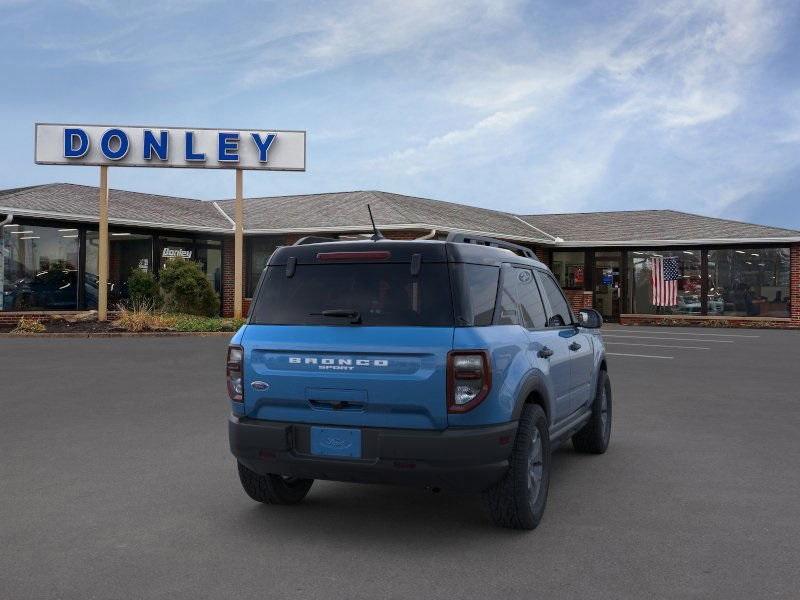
{"x": 462, "y": 459}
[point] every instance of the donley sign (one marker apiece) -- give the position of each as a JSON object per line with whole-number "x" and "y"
{"x": 189, "y": 148}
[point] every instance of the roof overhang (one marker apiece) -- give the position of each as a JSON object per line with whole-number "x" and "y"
{"x": 399, "y": 227}
{"x": 114, "y": 221}
{"x": 683, "y": 242}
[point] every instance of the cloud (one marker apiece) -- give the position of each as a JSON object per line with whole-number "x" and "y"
{"x": 474, "y": 144}
{"x": 533, "y": 106}
{"x": 328, "y": 39}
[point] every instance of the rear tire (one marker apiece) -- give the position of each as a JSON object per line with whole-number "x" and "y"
{"x": 273, "y": 489}
{"x": 518, "y": 500}
{"x": 596, "y": 434}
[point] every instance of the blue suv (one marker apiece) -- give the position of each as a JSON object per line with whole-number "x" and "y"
{"x": 454, "y": 364}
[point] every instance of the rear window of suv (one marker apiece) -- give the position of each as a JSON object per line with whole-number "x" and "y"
{"x": 383, "y": 294}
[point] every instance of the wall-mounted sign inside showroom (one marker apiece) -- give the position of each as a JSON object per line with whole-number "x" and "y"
{"x": 176, "y": 253}
{"x": 191, "y": 148}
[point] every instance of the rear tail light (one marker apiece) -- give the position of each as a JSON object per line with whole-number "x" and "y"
{"x": 235, "y": 371}
{"x": 469, "y": 379}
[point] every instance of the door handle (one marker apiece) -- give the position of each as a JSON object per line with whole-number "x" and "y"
{"x": 574, "y": 346}
{"x": 545, "y": 353}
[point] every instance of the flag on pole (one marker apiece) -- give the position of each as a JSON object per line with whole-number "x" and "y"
{"x": 664, "y": 278}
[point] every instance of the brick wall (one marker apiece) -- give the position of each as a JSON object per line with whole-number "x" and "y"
{"x": 794, "y": 283}
{"x": 227, "y": 276}
{"x": 579, "y": 299}
{"x": 709, "y": 321}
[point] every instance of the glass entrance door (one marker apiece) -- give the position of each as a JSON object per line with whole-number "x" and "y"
{"x": 608, "y": 284}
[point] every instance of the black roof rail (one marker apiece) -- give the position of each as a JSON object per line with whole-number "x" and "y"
{"x": 314, "y": 239}
{"x": 466, "y": 238}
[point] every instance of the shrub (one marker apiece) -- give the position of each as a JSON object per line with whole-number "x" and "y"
{"x": 142, "y": 317}
{"x": 143, "y": 289}
{"x": 28, "y": 325}
{"x": 195, "y": 323}
{"x": 186, "y": 289}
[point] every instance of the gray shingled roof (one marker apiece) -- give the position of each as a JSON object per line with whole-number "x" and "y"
{"x": 348, "y": 210}
{"x": 70, "y": 201}
{"x": 650, "y": 225}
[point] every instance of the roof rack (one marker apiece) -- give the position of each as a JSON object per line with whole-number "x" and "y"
{"x": 314, "y": 239}
{"x": 465, "y": 238}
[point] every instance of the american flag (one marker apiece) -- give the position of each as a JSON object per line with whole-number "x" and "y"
{"x": 664, "y": 277}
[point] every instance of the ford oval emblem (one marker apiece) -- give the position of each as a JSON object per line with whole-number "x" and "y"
{"x": 260, "y": 385}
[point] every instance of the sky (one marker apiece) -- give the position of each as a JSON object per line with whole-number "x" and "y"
{"x": 529, "y": 107}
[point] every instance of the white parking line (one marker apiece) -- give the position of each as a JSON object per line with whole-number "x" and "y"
{"x": 653, "y": 337}
{"x": 736, "y": 335}
{"x": 659, "y": 346}
{"x": 638, "y": 355}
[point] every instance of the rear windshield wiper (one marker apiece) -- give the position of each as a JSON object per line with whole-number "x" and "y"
{"x": 342, "y": 313}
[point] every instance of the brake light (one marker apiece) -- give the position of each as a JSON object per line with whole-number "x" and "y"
{"x": 469, "y": 379}
{"x": 235, "y": 373}
{"x": 368, "y": 255}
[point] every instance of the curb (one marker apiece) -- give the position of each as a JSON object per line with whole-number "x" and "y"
{"x": 119, "y": 334}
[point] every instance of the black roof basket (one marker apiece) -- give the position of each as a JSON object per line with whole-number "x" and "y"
{"x": 314, "y": 239}
{"x": 465, "y": 238}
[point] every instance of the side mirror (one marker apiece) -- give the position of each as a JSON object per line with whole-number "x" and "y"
{"x": 590, "y": 318}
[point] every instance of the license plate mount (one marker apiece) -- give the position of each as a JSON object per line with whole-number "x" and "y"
{"x": 336, "y": 442}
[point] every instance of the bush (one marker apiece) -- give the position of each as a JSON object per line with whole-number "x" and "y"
{"x": 143, "y": 289}
{"x": 186, "y": 289}
{"x": 27, "y": 325}
{"x": 142, "y": 317}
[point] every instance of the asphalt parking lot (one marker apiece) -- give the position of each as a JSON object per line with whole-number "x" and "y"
{"x": 117, "y": 483}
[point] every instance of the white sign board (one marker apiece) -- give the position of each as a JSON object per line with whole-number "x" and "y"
{"x": 189, "y": 148}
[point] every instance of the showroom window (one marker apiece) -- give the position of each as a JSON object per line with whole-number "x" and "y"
{"x": 749, "y": 282}
{"x": 258, "y": 252}
{"x": 209, "y": 255}
{"x": 666, "y": 282}
{"x": 39, "y": 268}
{"x": 128, "y": 252}
{"x": 569, "y": 269}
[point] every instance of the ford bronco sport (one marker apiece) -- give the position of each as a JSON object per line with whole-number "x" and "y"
{"x": 452, "y": 364}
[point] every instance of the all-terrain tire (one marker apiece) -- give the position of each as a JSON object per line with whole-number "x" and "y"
{"x": 595, "y": 435}
{"x": 517, "y": 501}
{"x": 273, "y": 489}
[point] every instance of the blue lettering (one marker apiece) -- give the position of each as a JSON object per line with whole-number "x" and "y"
{"x": 122, "y": 144}
{"x": 190, "y": 153}
{"x": 159, "y": 146}
{"x": 70, "y": 137}
{"x": 263, "y": 145}
{"x": 228, "y": 142}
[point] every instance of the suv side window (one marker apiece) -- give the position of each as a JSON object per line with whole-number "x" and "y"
{"x": 530, "y": 300}
{"x": 560, "y": 313}
{"x": 507, "y": 300}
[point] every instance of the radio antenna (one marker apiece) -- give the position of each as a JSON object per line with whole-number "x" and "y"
{"x": 377, "y": 235}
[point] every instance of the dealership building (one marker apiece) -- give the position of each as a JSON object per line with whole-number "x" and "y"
{"x": 722, "y": 271}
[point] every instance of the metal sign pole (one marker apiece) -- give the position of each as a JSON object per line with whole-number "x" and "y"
{"x": 238, "y": 248}
{"x": 102, "y": 256}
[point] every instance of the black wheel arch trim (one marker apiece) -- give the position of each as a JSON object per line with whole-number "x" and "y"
{"x": 534, "y": 383}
